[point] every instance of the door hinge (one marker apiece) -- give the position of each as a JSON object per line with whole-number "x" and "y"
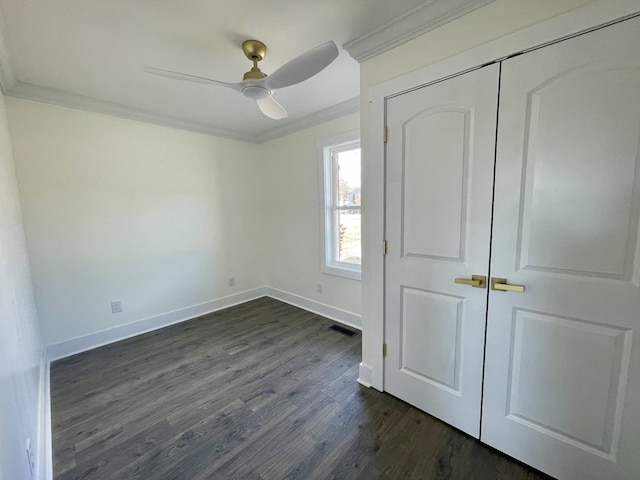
{"x": 384, "y": 247}
{"x": 384, "y": 349}
{"x": 385, "y": 134}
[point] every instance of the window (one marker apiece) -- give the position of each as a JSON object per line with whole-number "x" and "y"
{"x": 340, "y": 189}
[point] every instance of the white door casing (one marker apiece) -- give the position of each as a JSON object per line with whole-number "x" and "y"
{"x": 440, "y": 156}
{"x": 562, "y": 380}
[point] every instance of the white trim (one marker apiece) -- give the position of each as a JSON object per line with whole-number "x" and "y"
{"x": 417, "y": 21}
{"x": 342, "y": 138}
{"x": 557, "y": 28}
{"x": 336, "y": 111}
{"x": 326, "y": 174}
{"x": 365, "y": 375}
{"x": 579, "y": 20}
{"x": 373, "y": 188}
{"x": 71, "y": 100}
{"x": 44, "y": 455}
{"x": 10, "y": 86}
{"x": 121, "y": 332}
{"x": 350, "y": 319}
{"x": 340, "y": 269}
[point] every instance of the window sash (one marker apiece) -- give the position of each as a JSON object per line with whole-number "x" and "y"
{"x": 335, "y": 239}
{"x": 331, "y": 262}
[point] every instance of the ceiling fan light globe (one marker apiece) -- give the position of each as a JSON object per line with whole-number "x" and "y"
{"x": 256, "y": 93}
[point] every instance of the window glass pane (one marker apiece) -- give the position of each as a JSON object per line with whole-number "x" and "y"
{"x": 348, "y": 177}
{"x": 349, "y": 236}
{"x": 341, "y": 251}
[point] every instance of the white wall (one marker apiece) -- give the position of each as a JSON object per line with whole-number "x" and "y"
{"x": 292, "y": 196}
{"x": 493, "y": 21}
{"x": 159, "y": 218}
{"x": 116, "y": 209}
{"x": 21, "y": 352}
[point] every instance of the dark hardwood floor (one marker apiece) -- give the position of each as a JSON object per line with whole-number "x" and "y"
{"x": 261, "y": 390}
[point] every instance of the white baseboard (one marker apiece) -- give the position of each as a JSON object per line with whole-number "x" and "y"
{"x": 347, "y": 318}
{"x": 121, "y": 332}
{"x": 44, "y": 452}
{"x": 365, "y": 375}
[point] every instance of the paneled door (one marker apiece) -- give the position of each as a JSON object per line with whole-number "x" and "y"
{"x": 440, "y": 156}
{"x": 562, "y": 381}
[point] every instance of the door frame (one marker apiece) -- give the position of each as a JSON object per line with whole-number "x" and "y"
{"x": 561, "y": 27}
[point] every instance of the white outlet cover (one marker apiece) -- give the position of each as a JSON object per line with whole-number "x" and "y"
{"x": 116, "y": 306}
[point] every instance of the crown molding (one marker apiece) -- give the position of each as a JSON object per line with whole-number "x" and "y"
{"x": 339, "y": 110}
{"x": 67, "y": 99}
{"x": 10, "y": 86}
{"x": 417, "y": 21}
{"x": 71, "y": 100}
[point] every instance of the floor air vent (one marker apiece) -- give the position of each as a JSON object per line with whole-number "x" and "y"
{"x": 342, "y": 330}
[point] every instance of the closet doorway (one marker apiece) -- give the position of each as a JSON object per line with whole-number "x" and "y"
{"x": 544, "y": 257}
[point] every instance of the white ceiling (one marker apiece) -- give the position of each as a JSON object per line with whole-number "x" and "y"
{"x": 91, "y": 53}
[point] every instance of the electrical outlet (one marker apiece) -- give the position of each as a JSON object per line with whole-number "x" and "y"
{"x": 116, "y": 307}
{"x": 319, "y": 287}
{"x": 232, "y": 281}
{"x": 30, "y": 457}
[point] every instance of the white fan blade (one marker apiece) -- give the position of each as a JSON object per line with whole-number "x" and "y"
{"x": 190, "y": 78}
{"x": 302, "y": 67}
{"x": 271, "y": 108}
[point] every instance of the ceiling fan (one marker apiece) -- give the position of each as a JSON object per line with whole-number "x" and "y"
{"x": 256, "y": 85}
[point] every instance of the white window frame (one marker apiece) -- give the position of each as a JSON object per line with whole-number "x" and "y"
{"x": 328, "y": 204}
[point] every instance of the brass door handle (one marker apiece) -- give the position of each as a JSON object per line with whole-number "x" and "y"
{"x": 501, "y": 285}
{"x": 476, "y": 281}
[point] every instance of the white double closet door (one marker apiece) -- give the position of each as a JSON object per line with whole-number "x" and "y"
{"x": 526, "y": 173}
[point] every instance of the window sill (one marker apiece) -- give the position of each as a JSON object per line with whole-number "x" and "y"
{"x": 346, "y": 272}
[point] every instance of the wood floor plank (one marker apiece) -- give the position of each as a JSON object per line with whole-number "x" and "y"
{"x": 279, "y": 440}
{"x": 189, "y": 451}
{"x": 111, "y": 462}
{"x": 65, "y": 459}
{"x": 270, "y": 418}
{"x": 258, "y": 391}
